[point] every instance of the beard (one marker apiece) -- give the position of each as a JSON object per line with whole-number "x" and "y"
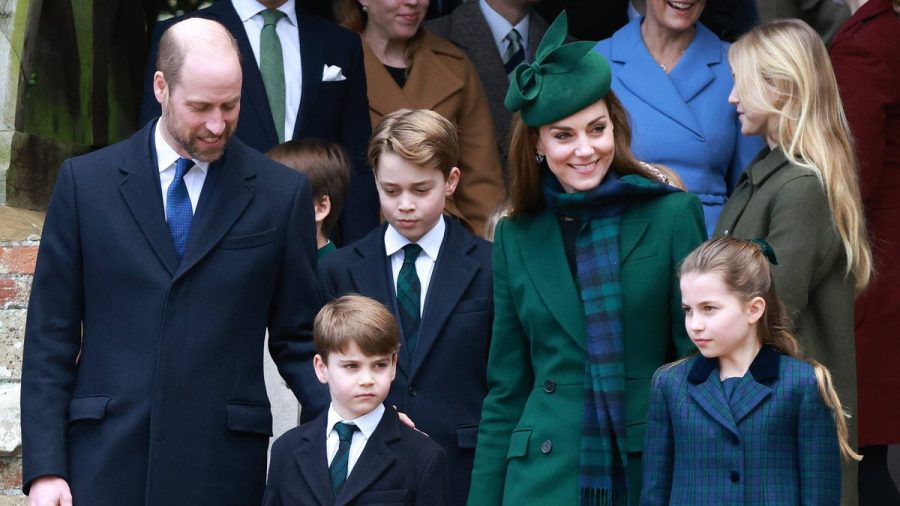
{"x": 188, "y": 140}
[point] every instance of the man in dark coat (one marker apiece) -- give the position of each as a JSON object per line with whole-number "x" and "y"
{"x": 163, "y": 260}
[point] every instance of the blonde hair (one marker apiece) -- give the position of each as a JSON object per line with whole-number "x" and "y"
{"x": 746, "y": 272}
{"x": 782, "y": 69}
{"x": 419, "y": 136}
{"x": 355, "y": 319}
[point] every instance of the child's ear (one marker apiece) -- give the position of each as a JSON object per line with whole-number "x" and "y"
{"x": 393, "y": 366}
{"x": 755, "y": 309}
{"x": 452, "y": 181}
{"x": 322, "y": 208}
{"x": 321, "y": 368}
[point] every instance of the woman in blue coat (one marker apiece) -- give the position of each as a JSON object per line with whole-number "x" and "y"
{"x": 671, "y": 74}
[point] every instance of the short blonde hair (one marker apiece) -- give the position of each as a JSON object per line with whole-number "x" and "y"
{"x": 355, "y": 319}
{"x": 419, "y": 136}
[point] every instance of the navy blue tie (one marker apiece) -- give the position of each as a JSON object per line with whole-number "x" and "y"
{"x": 178, "y": 207}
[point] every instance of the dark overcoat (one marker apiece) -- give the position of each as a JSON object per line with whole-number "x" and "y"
{"x": 142, "y": 380}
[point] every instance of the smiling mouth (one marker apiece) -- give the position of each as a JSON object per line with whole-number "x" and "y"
{"x": 584, "y": 167}
{"x": 680, "y": 6}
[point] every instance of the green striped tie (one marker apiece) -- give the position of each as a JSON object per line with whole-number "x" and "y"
{"x": 408, "y": 296}
{"x": 338, "y": 469}
{"x": 271, "y": 66}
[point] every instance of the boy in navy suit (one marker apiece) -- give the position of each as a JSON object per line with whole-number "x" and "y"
{"x": 357, "y": 452}
{"x": 435, "y": 276}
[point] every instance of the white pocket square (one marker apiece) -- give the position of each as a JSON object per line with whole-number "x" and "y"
{"x": 332, "y": 73}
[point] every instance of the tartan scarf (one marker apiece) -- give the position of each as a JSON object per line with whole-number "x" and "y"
{"x": 604, "y": 459}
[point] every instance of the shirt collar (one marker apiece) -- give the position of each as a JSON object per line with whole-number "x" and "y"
{"x": 246, "y": 9}
{"x": 366, "y": 423}
{"x": 165, "y": 155}
{"x": 430, "y": 242}
{"x": 500, "y": 27}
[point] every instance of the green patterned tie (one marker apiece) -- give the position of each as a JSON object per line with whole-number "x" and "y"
{"x": 408, "y": 297}
{"x": 271, "y": 66}
{"x": 338, "y": 468}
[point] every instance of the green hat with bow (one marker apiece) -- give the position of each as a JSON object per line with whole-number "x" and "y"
{"x": 562, "y": 80}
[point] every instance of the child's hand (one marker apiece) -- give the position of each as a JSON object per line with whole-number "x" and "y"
{"x": 50, "y": 491}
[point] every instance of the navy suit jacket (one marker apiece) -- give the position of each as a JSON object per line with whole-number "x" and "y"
{"x": 442, "y": 386}
{"x": 398, "y": 466}
{"x": 335, "y": 111}
{"x": 773, "y": 443}
{"x": 142, "y": 379}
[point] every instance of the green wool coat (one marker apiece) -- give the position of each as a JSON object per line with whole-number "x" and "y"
{"x": 529, "y": 440}
{"x": 786, "y": 205}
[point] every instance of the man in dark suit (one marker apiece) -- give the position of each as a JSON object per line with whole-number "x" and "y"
{"x": 163, "y": 260}
{"x": 482, "y": 32}
{"x": 322, "y": 93}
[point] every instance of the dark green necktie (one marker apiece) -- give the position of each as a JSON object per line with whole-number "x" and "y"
{"x": 338, "y": 469}
{"x": 409, "y": 296}
{"x": 271, "y": 66}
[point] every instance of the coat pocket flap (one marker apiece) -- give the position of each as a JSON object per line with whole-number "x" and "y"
{"x": 467, "y": 436}
{"x": 250, "y": 418}
{"x": 518, "y": 443}
{"x": 249, "y": 240}
{"x": 88, "y": 408}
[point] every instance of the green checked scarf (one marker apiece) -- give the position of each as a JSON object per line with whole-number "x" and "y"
{"x": 603, "y": 476}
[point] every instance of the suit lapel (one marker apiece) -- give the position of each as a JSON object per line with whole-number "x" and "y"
{"x": 536, "y": 29}
{"x": 312, "y": 459}
{"x": 643, "y": 77}
{"x": 139, "y": 180}
{"x": 375, "y": 459}
{"x": 253, "y": 91}
{"x": 549, "y": 271}
{"x": 311, "y": 63}
{"x": 471, "y": 32}
{"x": 453, "y": 272}
{"x": 231, "y": 192}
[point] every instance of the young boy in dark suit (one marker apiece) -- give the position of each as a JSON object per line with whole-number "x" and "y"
{"x": 357, "y": 452}
{"x": 435, "y": 276}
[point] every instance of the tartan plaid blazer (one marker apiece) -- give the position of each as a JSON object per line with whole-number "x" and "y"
{"x": 773, "y": 443}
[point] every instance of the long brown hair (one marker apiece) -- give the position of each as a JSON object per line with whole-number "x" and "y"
{"x": 746, "y": 272}
{"x": 526, "y": 195}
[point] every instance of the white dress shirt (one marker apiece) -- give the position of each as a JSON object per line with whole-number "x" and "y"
{"x": 431, "y": 246}
{"x": 166, "y": 158}
{"x": 366, "y": 423}
{"x": 500, "y": 28}
{"x": 289, "y": 35}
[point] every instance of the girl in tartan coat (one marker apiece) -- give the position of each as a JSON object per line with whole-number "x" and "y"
{"x": 747, "y": 421}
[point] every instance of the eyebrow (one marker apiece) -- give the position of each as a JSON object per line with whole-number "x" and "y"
{"x": 561, "y": 127}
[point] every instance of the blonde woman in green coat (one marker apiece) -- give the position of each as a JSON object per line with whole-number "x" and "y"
{"x": 802, "y": 196}
{"x": 586, "y": 296}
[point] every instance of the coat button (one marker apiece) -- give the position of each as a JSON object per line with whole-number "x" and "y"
{"x": 735, "y": 476}
{"x": 546, "y": 447}
{"x": 549, "y": 386}
{"x": 412, "y": 391}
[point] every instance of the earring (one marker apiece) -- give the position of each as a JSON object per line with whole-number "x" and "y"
{"x": 539, "y": 157}
{"x": 365, "y": 9}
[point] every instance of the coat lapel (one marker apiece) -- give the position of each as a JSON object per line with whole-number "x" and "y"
{"x": 643, "y": 77}
{"x": 763, "y": 166}
{"x": 139, "y": 179}
{"x": 375, "y": 459}
{"x": 311, "y": 62}
{"x": 706, "y": 389}
{"x": 631, "y": 231}
{"x": 312, "y": 459}
{"x": 453, "y": 272}
{"x": 227, "y": 194}
{"x": 693, "y": 73}
{"x": 754, "y": 388}
{"x": 549, "y": 271}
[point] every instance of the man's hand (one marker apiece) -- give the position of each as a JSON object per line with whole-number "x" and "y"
{"x": 50, "y": 491}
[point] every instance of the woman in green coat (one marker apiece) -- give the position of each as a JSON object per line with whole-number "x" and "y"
{"x": 586, "y": 296}
{"x": 801, "y": 195}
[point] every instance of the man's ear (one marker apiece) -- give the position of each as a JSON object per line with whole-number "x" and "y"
{"x": 321, "y": 369}
{"x": 452, "y": 181}
{"x": 160, "y": 88}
